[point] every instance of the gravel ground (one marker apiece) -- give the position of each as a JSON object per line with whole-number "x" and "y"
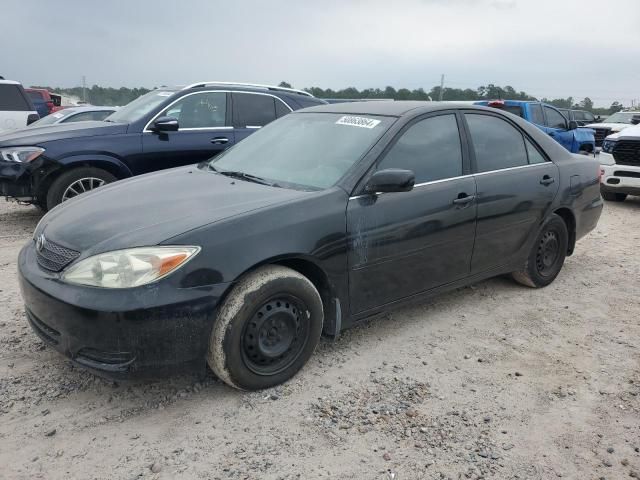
{"x": 490, "y": 381}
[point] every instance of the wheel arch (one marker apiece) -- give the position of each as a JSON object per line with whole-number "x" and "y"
{"x": 114, "y": 166}
{"x": 570, "y": 221}
{"x": 310, "y": 268}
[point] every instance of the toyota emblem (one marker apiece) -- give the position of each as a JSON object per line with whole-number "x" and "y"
{"x": 40, "y": 242}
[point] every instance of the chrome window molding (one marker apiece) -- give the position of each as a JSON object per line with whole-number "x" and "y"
{"x": 442, "y": 180}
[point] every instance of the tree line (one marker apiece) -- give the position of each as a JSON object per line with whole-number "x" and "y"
{"x": 98, "y": 95}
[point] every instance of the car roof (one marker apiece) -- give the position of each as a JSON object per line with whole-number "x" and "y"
{"x": 396, "y": 108}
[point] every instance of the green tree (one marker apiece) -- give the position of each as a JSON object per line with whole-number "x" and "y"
{"x": 285, "y": 85}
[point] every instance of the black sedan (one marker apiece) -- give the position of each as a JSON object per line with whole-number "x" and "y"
{"x": 323, "y": 218}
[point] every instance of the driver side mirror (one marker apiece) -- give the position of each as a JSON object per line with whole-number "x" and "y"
{"x": 572, "y": 125}
{"x": 165, "y": 124}
{"x": 391, "y": 180}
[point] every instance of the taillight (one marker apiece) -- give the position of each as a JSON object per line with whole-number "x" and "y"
{"x": 496, "y": 103}
{"x": 50, "y": 106}
{"x": 600, "y": 174}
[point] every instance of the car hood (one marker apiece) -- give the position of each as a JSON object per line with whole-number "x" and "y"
{"x": 154, "y": 208}
{"x": 48, "y": 133}
{"x": 615, "y": 127}
{"x": 630, "y": 133}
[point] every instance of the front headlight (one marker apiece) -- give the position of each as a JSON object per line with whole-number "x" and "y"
{"x": 608, "y": 146}
{"x": 128, "y": 268}
{"x": 21, "y": 154}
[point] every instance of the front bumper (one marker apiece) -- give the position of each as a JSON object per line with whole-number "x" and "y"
{"x": 618, "y": 178}
{"x": 141, "y": 332}
{"x": 15, "y": 181}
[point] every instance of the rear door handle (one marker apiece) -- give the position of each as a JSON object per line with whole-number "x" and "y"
{"x": 547, "y": 180}
{"x": 463, "y": 199}
{"x": 219, "y": 140}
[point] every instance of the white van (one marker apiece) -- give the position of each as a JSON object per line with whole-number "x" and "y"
{"x": 16, "y": 109}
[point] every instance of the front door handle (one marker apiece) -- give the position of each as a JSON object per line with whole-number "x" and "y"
{"x": 463, "y": 199}
{"x": 547, "y": 180}
{"x": 219, "y": 140}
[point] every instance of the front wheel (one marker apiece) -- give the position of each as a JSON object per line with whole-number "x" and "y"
{"x": 546, "y": 256}
{"x": 76, "y": 182}
{"x": 266, "y": 329}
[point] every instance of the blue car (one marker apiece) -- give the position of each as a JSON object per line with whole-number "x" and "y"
{"x": 168, "y": 127}
{"x": 550, "y": 120}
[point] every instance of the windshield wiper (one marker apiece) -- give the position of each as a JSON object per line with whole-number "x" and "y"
{"x": 244, "y": 176}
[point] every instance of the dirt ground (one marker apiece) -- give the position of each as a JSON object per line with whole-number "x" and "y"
{"x": 490, "y": 381}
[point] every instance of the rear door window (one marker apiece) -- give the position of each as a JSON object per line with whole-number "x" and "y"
{"x": 555, "y": 118}
{"x": 497, "y": 144}
{"x": 253, "y": 110}
{"x": 11, "y": 99}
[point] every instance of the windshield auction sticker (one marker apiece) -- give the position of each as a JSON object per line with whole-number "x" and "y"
{"x": 362, "y": 122}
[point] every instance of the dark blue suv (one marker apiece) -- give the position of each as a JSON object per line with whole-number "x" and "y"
{"x": 168, "y": 127}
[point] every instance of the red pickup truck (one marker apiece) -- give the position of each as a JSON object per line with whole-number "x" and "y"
{"x": 44, "y": 101}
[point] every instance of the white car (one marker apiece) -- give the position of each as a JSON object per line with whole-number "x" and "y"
{"x": 620, "y": 165}
{"x": 612, "y": 124}
{"x": 75, "y": 114}
{"x": 16, "y": 109}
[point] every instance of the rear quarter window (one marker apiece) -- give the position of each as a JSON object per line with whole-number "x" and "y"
{"x": 12, "y": 99}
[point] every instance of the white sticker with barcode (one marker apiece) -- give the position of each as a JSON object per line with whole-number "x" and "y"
{"x": 362, "y": 122}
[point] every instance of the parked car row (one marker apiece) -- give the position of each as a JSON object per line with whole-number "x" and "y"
{"x": 614, "y": 124}
{"x": 321, "y": 219}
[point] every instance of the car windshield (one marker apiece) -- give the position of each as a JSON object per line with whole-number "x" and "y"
{"x": 621, "y": 117}
{"x": 137, "y": 109}
{"x": 311, "y": 151}
{"x": 53, "y": 118}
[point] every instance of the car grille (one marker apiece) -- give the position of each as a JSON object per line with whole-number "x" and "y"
{"x": 601, "y": 134}
{"x": 55, "y": 257}
{"x": 627, "y": 152}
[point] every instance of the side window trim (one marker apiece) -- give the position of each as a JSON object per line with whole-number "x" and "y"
{"x": 165, "y": 107}
{"x": 472, "y": 153}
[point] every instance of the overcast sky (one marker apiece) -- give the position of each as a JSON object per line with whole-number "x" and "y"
{"x": 552, "y": 48}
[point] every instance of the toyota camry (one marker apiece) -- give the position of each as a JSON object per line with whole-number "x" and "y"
{"x": 321, "y": 219}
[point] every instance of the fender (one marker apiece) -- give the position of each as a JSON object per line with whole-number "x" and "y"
{"x": 108, "y": 162}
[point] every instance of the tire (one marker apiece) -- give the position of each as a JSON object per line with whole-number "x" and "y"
{"x": 614, "y": 197}
{"x": 547, "y": 255}
{"x": 246, "y": 349}
{"x": 90, "y": 177}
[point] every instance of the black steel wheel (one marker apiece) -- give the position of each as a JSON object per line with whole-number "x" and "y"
{"x": 266, "y": 329}
{"x": 547, "y": 254}
{"x": 275, "y": 335}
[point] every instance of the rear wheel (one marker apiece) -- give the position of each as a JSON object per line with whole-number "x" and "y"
{"x": 266, "y": 329}
{"x": 614, "y": 197}
{"x": 76, "y": 182}
{"x": 546, "y": 256}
